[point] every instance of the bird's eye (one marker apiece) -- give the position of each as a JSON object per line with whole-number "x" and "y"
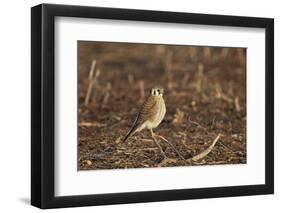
{"x": 158, "y": 91}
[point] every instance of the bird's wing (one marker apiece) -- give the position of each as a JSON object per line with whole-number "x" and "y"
{"x": 148, "y": 110}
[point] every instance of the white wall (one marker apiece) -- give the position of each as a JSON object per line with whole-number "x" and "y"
{"x": 15, "y": 105}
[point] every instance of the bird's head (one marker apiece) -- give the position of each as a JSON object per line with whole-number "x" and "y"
{"x": 157, "y": 91}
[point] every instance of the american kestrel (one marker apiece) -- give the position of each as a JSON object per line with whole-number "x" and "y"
{"x": 151, "y": 114}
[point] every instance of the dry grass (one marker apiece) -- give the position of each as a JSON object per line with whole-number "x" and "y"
{"x": 205, "y": 92}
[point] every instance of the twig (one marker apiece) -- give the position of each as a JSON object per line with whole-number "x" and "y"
{"x": 185, "y": 79}
{"x": 116, "y": 117}
{"x": 131, "y": 79}
{"x": 147, "y": 140}
{"x": 216, "y": 162}
{"x": 193, "y": 122}
{"x": 166, "y": 160}
{"x": 213, "y": 121}
{"x": 237, "y": 105}
{"x": 174, "y": 148}
{"x": 206, "y": 151}
{"x": 90, "y": 87}
{"x": 225, "y": 146}
{"x": 227, "y": 99}
{"x": 221, "y": 95}
{"x": 107, "y": 94}
{"x": 148, "y": 149}
{"x": 91, "y": 79}
{"x": 92, "y": 69}
{"x": 94, "y": 124}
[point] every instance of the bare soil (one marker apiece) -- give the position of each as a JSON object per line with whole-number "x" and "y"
{"x": 205, "y": 95}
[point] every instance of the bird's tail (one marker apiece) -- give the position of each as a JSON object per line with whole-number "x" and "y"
{"x": 130, "y": 133}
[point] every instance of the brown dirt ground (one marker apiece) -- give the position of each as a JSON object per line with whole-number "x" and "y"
{"x": 205, "y": 95}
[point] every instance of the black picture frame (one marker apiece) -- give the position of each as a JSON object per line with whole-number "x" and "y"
{"x": 43, "y": 102}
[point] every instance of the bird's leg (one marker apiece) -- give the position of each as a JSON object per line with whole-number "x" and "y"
{"x": 158, "y": 145}
{"x": 174, "y": 148}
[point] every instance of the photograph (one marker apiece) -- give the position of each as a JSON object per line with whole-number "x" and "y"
{"x": 160, "y": 105}
{"x": 135, "y": 105}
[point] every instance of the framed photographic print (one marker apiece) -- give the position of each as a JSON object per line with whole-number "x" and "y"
{"x": 138, "y": 106}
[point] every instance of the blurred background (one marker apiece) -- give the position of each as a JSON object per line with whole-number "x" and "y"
{"x": 205, "y": 95}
